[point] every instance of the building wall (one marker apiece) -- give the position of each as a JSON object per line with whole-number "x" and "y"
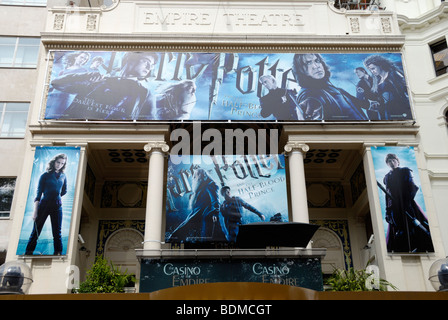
{"x": 429, "y": 95}
{"x": 16, "y": 85}
{"x": 204, "y": 26}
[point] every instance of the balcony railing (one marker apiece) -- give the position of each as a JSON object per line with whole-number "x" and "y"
{"x": 372, "y": 5}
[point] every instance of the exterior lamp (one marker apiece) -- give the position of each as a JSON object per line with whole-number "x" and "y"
{"x": 438, "y": 274}
{"x": 15, "y": 278}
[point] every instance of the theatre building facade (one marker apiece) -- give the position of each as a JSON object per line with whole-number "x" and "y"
{"x": 197, "y": 142}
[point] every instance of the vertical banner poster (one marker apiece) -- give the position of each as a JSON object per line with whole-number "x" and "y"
{"x": 209, "y": 197}
{"x": 48, "y": 211}
{"x": 402, "y": 204}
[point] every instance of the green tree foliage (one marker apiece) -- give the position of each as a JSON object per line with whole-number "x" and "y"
{"x": 104, "y": 277}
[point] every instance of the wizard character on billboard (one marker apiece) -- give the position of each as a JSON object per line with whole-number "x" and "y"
{"x": 201, "y": 207}
{"x": 364, "y": 87}
{"x": 278, "y": 102}
{"x": 232, "y": 209}
{"x": 318, "y": 98}
{"x": 122, "y": 97}
{"x": 203, "y": 223}
{"x": 176, "y": 102}
{"x": 390, "y": 85}
{"x": 48, "y": 209}
{"x": 48, "y": 203}
{"x": 408, "y": 226}
{"x": 177, "y": 86}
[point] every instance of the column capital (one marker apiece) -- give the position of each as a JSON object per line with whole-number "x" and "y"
{"x": 292, "y": 146}
{"x": 156, "y": 146}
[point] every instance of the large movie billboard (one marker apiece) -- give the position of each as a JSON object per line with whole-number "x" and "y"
{"x": 403, "y": 207}
{"x": 209, "y": 197}
{"x": 48, "y": 210}
{"x": 227, "y": 86}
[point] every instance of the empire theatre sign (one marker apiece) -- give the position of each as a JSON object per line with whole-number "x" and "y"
{"x": 152, "y": 19}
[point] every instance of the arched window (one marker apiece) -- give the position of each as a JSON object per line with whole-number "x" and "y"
{"x": 120, "y": 250}
{"x": 328, "y": 239}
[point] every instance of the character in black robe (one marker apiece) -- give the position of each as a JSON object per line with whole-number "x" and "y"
{"x": 123, "y": 97}
{"x": 203, "y": 223}
{"x": 406, "y": 219}
{"x": 365, "y": 85}
{"x": 278, "y": 102}
{"x": 391, "y": 87}
{"x": 232, "y": 212}
{"x": 318, "y": 98}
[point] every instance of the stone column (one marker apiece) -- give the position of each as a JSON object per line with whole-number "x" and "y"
{"x": 389, "y": 268}
{"x": 299, "y": 204}
{"x": 154, "y": 203}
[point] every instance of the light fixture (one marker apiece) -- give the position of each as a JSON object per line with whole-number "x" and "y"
{"x": 15, "y": 278}
{"x": 438, "y": 274}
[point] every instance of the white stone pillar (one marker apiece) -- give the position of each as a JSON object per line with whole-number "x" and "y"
{"x": 299, "y": 202}
{"x": 391, "y": 269}
{"x": 154, "y": 203}
{"x": 72, "y": 249}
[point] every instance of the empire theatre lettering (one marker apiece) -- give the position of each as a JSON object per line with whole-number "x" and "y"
{"x": 231, "y": 19}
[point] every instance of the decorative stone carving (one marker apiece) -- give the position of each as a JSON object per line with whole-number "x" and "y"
{"x": 124, "y": 240}
{"x": 324, "y": 238}
{"x": 354, "y": 25}
{"x": 296, "y": 146}
{"x": 130, "y": 194}
{"x": 156, "y": 146}
{"x": 386, "y": 25}
{"x": 59, "y": 19}
{"x": 318, "y": 194}
{"x": 92, "y": 21}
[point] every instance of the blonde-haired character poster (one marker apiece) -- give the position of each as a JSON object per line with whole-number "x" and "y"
{"x": 405, "y": 222}
{"x": 48, "y": 210}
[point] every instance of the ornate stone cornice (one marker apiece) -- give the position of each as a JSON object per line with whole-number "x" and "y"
{"x": 222, "y": 42}
{"x": 428, "y": 20}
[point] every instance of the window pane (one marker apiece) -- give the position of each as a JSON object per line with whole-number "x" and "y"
{"x": 17, "y": 106}
{"x": 440, "y": 57}
{"x": 14, "y": 120}
{"x": 24, "y": 2}
{"x": 6, "y": 55}
{"x": 7, "y": 186}
{"x": 8, "y": 41}
{"x": 19, "y": 52}
{"x": 441, "y": 61}
{"x": 29, "y": 41}
{"x": 26, "y": 56}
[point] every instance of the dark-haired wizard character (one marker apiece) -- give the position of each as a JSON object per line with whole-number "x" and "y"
{"x": 203, "y": 223}
{"x": 318, "y": 98}
{"x": 391, "y": 87}
{"x": 403, "y": 214}
{"x": 232, "y": 211}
